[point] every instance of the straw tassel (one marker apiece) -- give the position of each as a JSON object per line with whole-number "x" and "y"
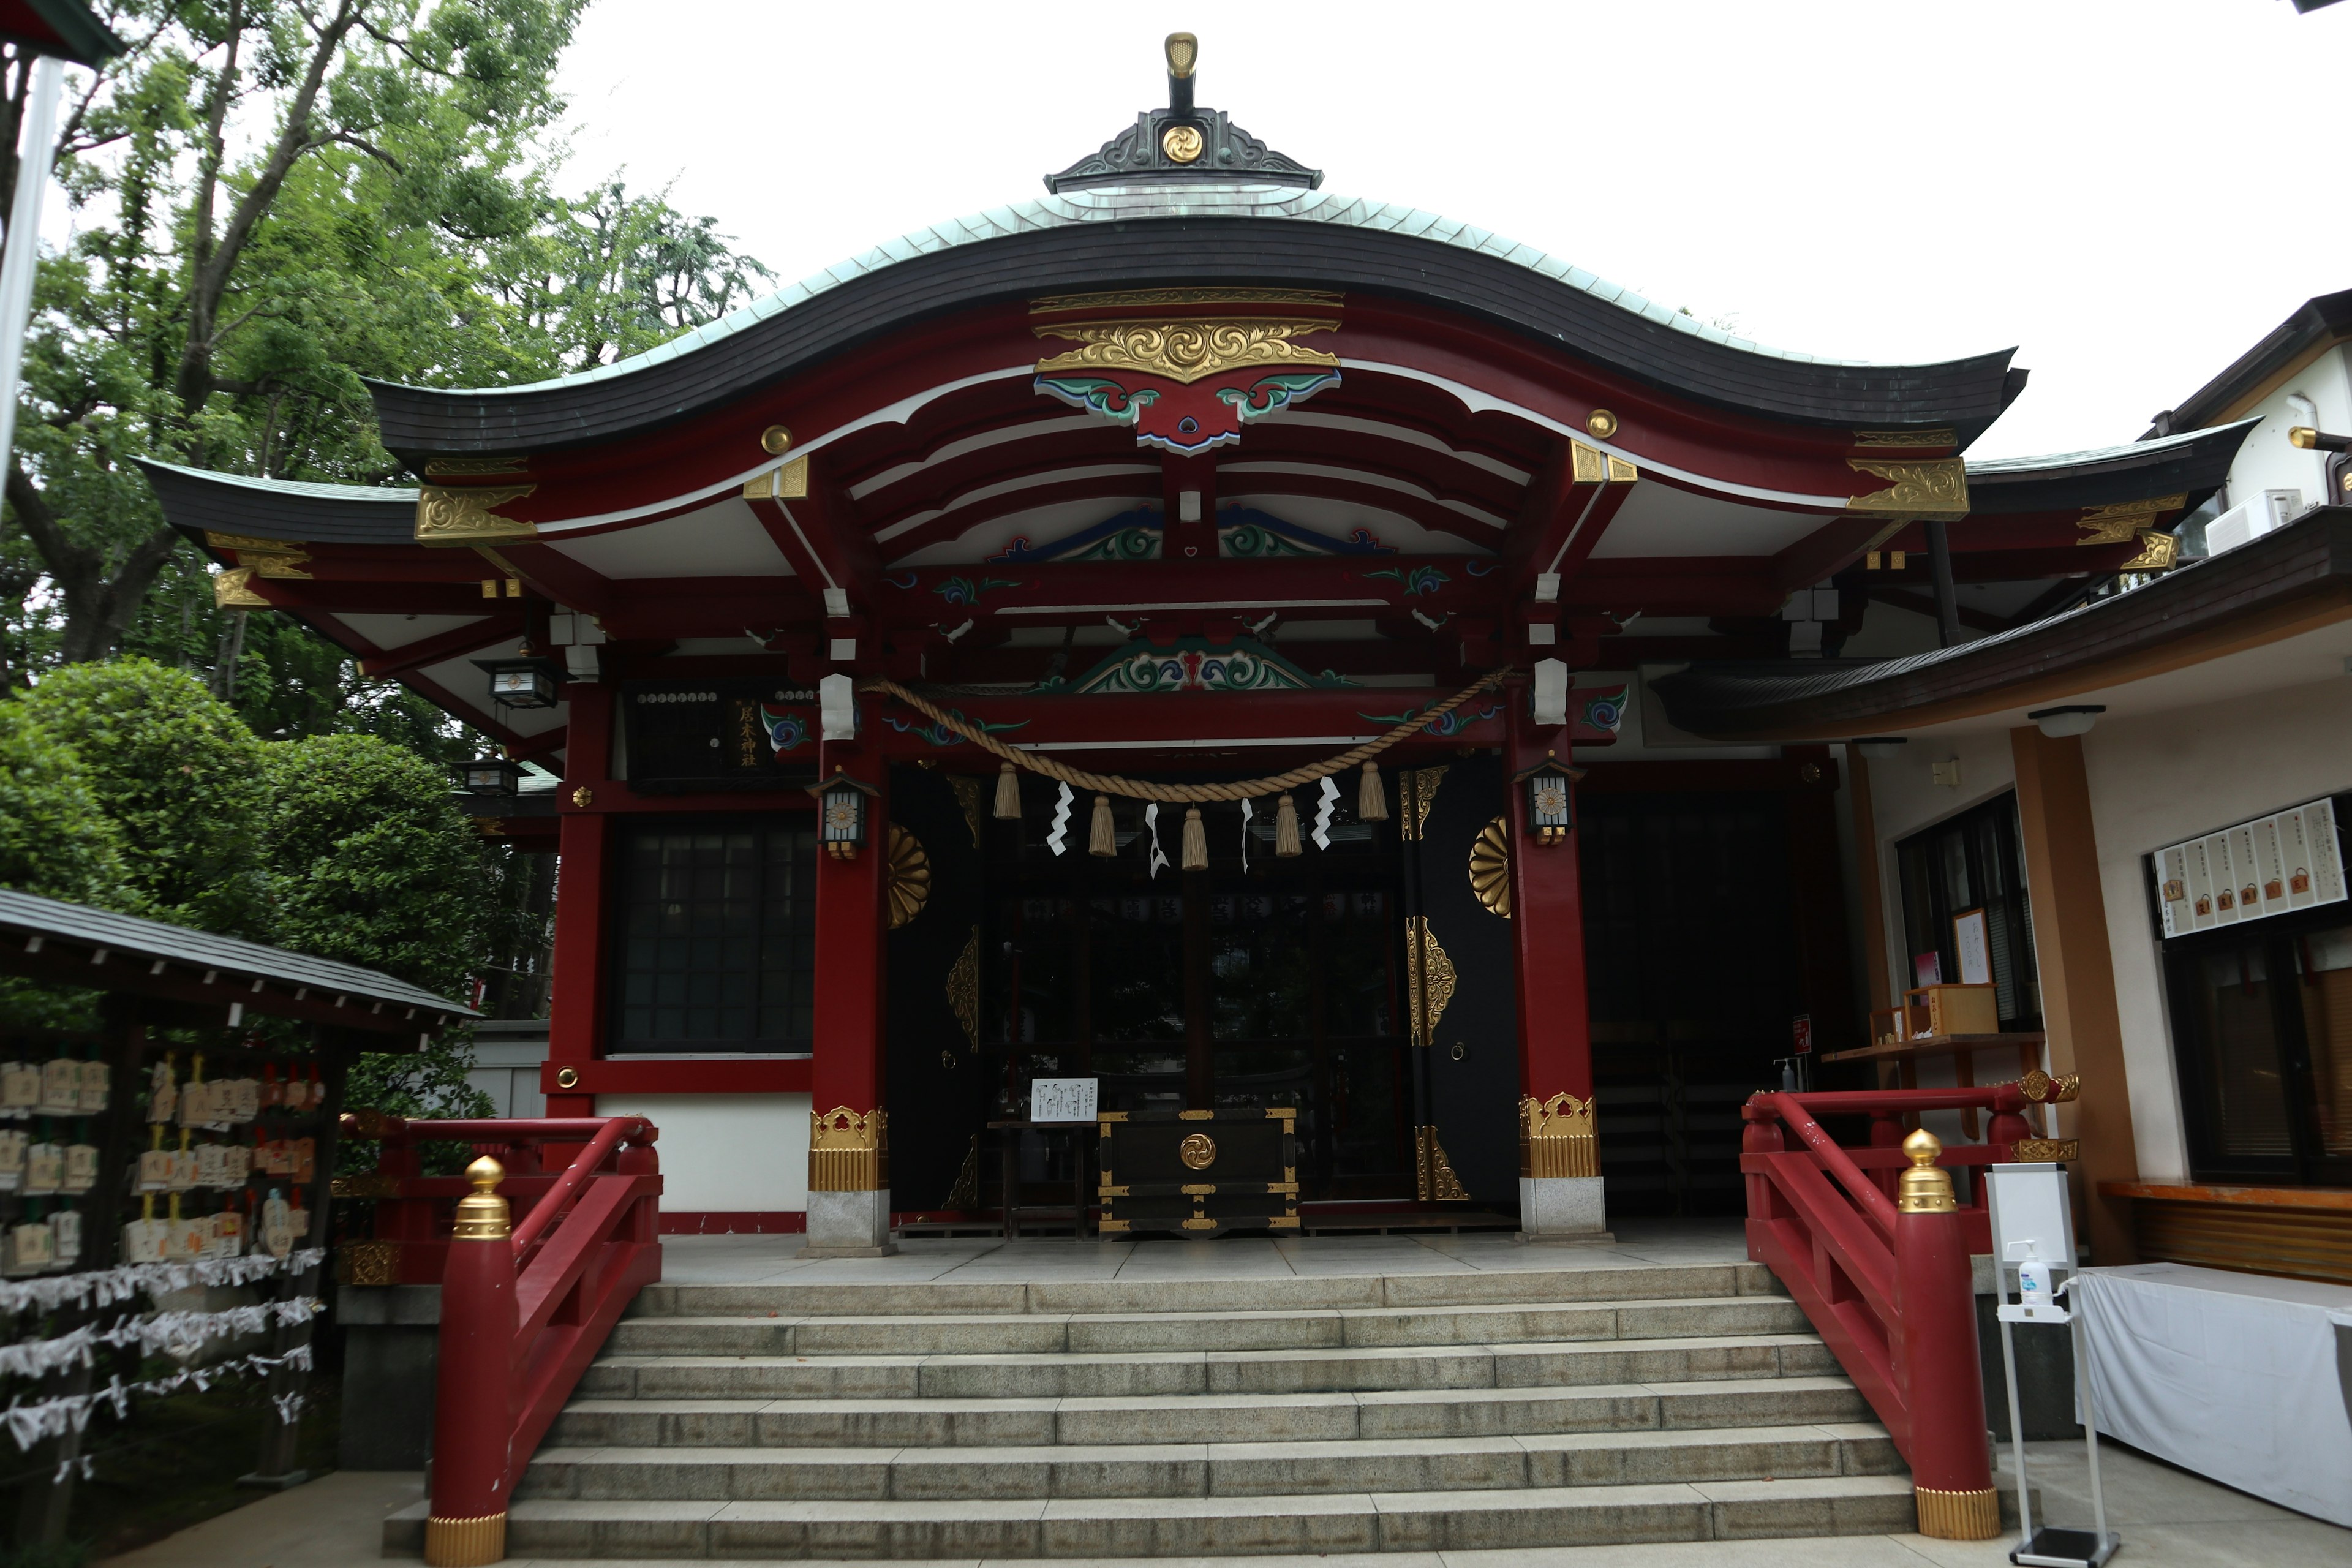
{"x": 1102, "y": 837}
{"x": 1008, "y": 795}
{"x": 1372, "y": 800}
{"x": 1285, "y": 829}
{"x": 1196, "y": 841}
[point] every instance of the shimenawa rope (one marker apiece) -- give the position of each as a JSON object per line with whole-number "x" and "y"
{"x": 1188, "y": 794}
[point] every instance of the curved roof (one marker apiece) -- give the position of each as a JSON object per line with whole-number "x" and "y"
{"x": 2193, "y": 463}
{"x": 1143, "y": 235}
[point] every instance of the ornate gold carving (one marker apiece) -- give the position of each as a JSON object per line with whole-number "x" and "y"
{"x": 2157, "y": 553}
{"x": 1934, "y": 489}
{"x": 268, "y": 557}
{"x": 465, "y": 1542}
{"x": 1957, "y": 1516}
{"x": 1186, "y": 351}
{"x": 368, "y": 1263}
{"x": 471, "y": 467}
{"x": 1622, "y": 472}
{"x": 963, "y": 988}
{"x": 469, "y": 515}
{"x": 1164, "y": 298}
{"x": 1433, "y": 1173}
{"x": 1199, "y": 1152}
{"x": 366, "y": 1184}
{"x": 2041, "y": 1151}
{"x": 965, "y": 1193}
{"x": 1490, "y": 868}
{"x": 1430, "y": 979}
{"x": 2124, "y": 521}
{"x": 1556, "y": 1137}
{"x": 1181, "y": 143}
{"x": 583, "y": 797}
{"x": 1914, "y": 440}
{"x": 966, "y": 794}
{"x": 911, "y": 877}
{"x": 1419, "y": 788}
{"x": 2044, "y": 1090}
{"x": 233, "y": 590}
{"x": 1591, "y": 464}
{"x": 849, "y": 1150}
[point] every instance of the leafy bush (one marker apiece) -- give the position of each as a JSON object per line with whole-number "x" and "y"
{"x": 55, "y": 839}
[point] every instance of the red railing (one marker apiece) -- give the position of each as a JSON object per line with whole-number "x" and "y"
{"x": 1887, "y": 1287}
{"x": 524, "y": 1306}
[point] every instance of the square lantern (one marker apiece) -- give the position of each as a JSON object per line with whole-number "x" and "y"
{"x": 521, "y": 682}
{"x": 1551, "y": 804}
{"x": 489, "y": 776}
{"x": 842, "y": 814}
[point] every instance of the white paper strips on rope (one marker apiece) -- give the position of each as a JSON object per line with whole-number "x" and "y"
{"x": 181, "y": 1335}
{"x": 1246, "y": 815}
{"x": 1322, "y": 834}
{"x": 28, "y": 1424}
{"x": 1152, "y": 839}
{"x": 105, "y": 1287}
{"x": 1059, "y": 840}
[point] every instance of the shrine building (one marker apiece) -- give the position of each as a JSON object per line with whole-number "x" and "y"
{"x": 1378, "y": 703}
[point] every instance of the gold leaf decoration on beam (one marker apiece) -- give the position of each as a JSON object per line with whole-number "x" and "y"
{"x": 911, "y": 877}
{"x": 268, "y": 557}
{"x": 1910, "y": 440}
{"x": 1433, "y": 1178}
{"x": 789, "y": 482}
{"x": 1419, "y": 788}
{"x": 1490, "y": 868}
{"x": 2157, "y": 553}
{"x": 966, "y": 794}
{"x": 233, "y": 590}
{"x": 467, "y": 468}
{"x": 469, "y": 515}
{"x": 2123, "y": 521}
{"x": 1186, "y": 351}
{"x": 1430, "y": 979}
{"x": 963, "y": 988}
{"x": 1937, "y": 488}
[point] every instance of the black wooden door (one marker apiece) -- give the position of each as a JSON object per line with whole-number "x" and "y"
{"x": 938, "y": 1088}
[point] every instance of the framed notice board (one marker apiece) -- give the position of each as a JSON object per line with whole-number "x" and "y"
{"x": 732, "y": 734}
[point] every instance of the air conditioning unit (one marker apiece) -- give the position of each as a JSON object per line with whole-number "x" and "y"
{"x": 2250, "y": 519}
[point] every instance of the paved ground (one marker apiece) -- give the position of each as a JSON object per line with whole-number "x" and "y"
{"x": 2168, "y": 1518}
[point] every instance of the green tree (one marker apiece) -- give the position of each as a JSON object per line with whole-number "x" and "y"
{"x": 55, "y": 840}
{"x": 179, "y": 775}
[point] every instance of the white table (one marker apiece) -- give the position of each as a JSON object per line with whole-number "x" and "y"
{"x": 2234, "y": 1376}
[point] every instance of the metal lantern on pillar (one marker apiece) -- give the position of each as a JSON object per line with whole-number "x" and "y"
{"x": 843, "y": 814}
{"x": 521, "y": 682}
{"x": 489, "y": 776}
{"x": 1551, "y": 804}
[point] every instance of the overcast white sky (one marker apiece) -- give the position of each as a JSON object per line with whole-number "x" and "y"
{"x": 2132, "y": 192}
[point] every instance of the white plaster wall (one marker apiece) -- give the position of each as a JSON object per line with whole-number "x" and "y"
{"x": 725, "y": 1152}
{"x": 2158, "y": 779}
{"x": 2266, "y": 462}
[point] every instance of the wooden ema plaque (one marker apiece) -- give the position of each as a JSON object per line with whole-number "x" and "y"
{"x": 1199, "y": 1173}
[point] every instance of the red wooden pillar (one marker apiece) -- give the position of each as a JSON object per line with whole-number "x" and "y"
{"x": 585, "y": 874}
{"x": 1560, "y": 1162}
{"x": 849, "y": 1149}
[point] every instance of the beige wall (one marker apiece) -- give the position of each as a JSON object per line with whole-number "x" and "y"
{"x": 2155, "y": 780}
{"x": 2159, "y": 779}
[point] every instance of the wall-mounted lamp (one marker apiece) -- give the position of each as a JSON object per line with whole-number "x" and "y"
{"x": 1551, "y": 806}
{"x": 1879, "y": 747}
{"x": 2074, "y": 719}
{"x": 841, "y": 814}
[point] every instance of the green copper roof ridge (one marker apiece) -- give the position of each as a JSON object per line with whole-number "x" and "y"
{"x": 1144, "y": 203}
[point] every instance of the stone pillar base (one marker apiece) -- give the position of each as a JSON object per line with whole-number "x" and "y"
{"x": 849, "y": 1225}
{"x": 1562, "y": 1209}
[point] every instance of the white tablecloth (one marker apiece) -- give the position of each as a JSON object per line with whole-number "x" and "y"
{"x": 2234, "y": 1376}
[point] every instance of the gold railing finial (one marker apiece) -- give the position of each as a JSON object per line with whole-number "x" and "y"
{"x": 482, "y": 1215}
{"x": 1926, "y": 1187}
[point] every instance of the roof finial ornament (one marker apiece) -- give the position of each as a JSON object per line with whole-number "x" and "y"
{"x": 1183, "y": 52}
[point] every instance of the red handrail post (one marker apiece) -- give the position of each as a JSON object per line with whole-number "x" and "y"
{"x": 473, "y": 1416}
{"x": 1936, "y": 1367}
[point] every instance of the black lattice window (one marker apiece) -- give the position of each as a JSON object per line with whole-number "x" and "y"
{"x": 717, "y": 939}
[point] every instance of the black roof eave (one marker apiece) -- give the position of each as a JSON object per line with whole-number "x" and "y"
{"x": 2196, "y": 468}
{"x": 198, "y": 503}
{"x": 2319, "y": 320}
{"x": 67, "y": 29}
{"x": 2257, "y": 582}
{"x": 1965, "y": 395}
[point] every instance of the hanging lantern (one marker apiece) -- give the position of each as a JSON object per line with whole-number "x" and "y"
{"x": 521, "y": 682}
{"x": 489, "y": 775}
{"x": 842, "y": 813}
{"x": 1551, "y": 806}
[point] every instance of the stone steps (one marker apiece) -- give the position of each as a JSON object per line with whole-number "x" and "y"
{"x": 1211, "y": 1469}
{"x": 1299, "y": 1413}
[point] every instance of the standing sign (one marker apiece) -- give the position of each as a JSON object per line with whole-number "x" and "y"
{"x": 1062, "y": 1098}
{"x": 2291, "y": 860}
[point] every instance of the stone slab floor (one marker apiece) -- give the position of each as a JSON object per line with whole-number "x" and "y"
{"x": 2168, "y": 1518}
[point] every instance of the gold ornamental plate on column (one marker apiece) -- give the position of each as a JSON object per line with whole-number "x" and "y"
{"x": 1490, "y": 868}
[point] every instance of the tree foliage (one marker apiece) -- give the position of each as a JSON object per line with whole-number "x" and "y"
{"x": 54, "y": 838}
